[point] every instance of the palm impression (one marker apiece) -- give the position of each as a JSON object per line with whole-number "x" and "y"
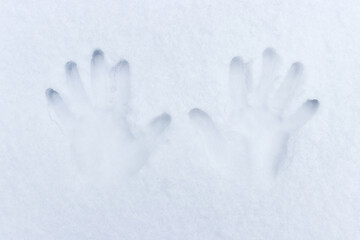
{"x": 103, "y": 145}
{"x": 258, "y": 129}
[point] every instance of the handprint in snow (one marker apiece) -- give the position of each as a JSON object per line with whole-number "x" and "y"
{"x": 104, "y": 147}
{"x": 257, "y": 132}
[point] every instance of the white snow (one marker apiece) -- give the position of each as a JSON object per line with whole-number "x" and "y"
{"x": 179, "y": 54}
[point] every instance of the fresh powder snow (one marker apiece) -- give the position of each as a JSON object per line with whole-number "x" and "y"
{"x": 180, "y": 120}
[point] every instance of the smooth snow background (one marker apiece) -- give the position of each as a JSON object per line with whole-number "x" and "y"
{"x": 179, "y": 52}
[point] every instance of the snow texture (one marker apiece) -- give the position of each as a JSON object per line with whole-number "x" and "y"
{"x": 268, "y": 149}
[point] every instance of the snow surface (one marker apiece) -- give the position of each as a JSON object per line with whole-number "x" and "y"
{"x": 179, "y": 54}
